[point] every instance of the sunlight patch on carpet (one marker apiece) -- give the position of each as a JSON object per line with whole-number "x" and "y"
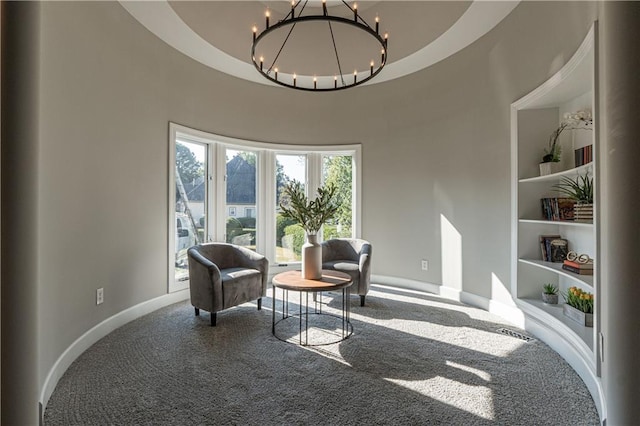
{"x": 476, "y": 400}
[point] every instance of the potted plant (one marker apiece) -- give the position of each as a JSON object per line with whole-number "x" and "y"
{"x": 552, "y": 154}
{"x": 579, "y": 306}
{"x": 580, "y": 190}
{"x": 311, "y": 215}
{"x": 550, "y": 294}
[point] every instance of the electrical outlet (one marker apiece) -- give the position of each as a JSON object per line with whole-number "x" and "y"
{"x": 425, "y": 265}
{"x": 99, "y": 296}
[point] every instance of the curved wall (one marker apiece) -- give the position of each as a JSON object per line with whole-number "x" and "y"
{"x": 435, "y": 154}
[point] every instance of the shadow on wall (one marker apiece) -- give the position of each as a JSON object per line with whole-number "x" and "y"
{"x": 451, "y": 247}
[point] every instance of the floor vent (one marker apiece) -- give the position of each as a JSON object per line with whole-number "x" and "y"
{"x": 515, "y": 334}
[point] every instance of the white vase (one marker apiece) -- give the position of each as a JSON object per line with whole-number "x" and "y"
{"x": 550, "y": 168}
{"x": 311, "y": 258}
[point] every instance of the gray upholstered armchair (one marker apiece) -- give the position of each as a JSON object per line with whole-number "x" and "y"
{"x": 224, "y": 275}
{"x": 352, "y": 256}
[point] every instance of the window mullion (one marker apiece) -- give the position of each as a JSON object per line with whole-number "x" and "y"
{"x": 267, "y": 203}
{"x": 221, "y": 192}
{"x": 314, "y": 173}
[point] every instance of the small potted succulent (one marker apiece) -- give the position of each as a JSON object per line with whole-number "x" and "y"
{"x": 550, "y": 294}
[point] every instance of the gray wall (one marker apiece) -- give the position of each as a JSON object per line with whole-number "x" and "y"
{"x": 20, "y": 69}
{"x": 620, "y": 234}
{"x": 437, "y": 140}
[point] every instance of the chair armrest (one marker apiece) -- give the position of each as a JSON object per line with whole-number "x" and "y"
{"x": 205, "y": 282}
{"x": 201, "y": 262}
{"x": 251, "y": 259}
{"x": 365, "y": 262}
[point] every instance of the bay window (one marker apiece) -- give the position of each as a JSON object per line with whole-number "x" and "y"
{"x": 226, "y": 189}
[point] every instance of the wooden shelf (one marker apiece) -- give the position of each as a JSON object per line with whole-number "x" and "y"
{"x": 584, "y": 280}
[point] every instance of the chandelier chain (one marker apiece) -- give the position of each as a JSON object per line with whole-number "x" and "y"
{"x": 335, "y": 49}
{"x": 275, "y": 60}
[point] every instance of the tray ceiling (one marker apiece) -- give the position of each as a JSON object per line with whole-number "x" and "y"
{"x": 218, "y": 33}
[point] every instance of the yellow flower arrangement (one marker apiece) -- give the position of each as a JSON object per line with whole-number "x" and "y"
{"x": 579, "y": 299}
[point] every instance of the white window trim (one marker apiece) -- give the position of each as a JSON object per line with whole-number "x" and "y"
{"x": 265, "y": 205}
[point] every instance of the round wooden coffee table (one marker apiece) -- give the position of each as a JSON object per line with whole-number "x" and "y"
{"x": 330, "y": 281}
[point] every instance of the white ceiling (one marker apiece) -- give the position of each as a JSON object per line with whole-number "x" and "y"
{"x": 218, "y": 33}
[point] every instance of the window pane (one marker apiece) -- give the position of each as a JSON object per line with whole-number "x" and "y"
{"x": 337, "y": 169}
{"x": 190, "y": 209}
{"x": 241, "y": 198}
{"x": 289, "y": 236}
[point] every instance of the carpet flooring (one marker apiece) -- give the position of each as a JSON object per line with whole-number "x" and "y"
{"x": 413, "y": 359}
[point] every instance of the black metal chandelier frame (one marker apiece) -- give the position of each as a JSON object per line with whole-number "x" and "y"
{"x": 271, "y": 72}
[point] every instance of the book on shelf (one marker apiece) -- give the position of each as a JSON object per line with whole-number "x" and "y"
{"x": 558, "y": 249}
{"x": 557, "y": 209}
{"x": 579, "y": 271}
{"x": 588, "y": 265}
{"x": 583, "y": 155}
{"x": 545, "y": 246}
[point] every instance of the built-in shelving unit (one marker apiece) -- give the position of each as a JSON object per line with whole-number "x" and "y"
{"x": 533, "y": 118}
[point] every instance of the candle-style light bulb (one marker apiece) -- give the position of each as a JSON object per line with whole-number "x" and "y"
{"x": 293, "y": 9}
{"x": 371, "y": 67}
{"x": 255, "y": 32}
{"x": 355, "y": 12}
{"x": 315, "y": 83}
{"x": 294, "y": 79}
{"x": 335, "y": 81}
{"x": 386, "y": 37}
{"x": 382, "y": 56}
{"x": 267, "y": 14}
{"x": 276, "y": 71}
{"x": 324, "y": 7}
{"x": 377, "y": 24}
{"x": 355, "y": 76}
{"x": 261, "y": 62}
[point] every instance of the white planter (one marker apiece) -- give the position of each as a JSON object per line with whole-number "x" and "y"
{"x": 577, "y": 315}
{"x": 583, "y": 212}
{"x": 311, "y": 258}
{"x": 550, "y": 168}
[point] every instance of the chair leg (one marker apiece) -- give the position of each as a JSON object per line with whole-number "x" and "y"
{"x": 362, "y": 300}
{"x": 260, "y": 303}
{"x": 197, "y": 311}
{"x": 214, "y": 316}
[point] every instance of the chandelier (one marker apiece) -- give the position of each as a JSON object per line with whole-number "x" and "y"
{"x": 321, "y": 33}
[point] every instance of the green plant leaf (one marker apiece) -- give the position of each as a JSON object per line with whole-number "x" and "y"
{"x": 310, "y": 214}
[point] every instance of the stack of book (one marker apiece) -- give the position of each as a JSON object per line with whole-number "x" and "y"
{"x": 553, "y": 248}
{"x": 557, "y": 208}
{"x": 584, "y": 155}
{"x": 578, "y": 268}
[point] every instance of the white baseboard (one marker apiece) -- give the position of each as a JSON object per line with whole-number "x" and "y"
{"x": 96, "y": 333}
{"x": 507, "y": 312}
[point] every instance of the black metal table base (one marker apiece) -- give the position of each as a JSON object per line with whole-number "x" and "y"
{"x": 344, "y": 328}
